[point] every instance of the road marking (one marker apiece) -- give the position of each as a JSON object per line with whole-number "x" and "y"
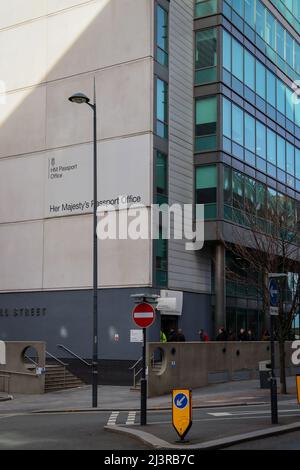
{"x": 131, "y": 418}
{"x": 113, "y": 418}
{"x": 220, "y": 414}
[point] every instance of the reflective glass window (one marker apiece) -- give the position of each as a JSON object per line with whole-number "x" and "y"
{"x": 260, "y": 80}
{"x": 249, "y": 70}
{"x": 260, "y": 139}
{"x": 226, "y": 51}
{"x": 162, "y": 39}
{"x": 280, "y": 96}
{"x": 290, "y": 158}
{"x": 280, "y": 152}
{"x": 260, "y": 19}
{"x": 271, "y": 146}
{"x": 271, "y": 88}
{"x": 249, "y": 132}
{"x": 237, "y": 60}
{"x": 237, "y": 125}
{"x": 227, "y": 118}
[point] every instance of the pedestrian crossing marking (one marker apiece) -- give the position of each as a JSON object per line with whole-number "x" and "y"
{"x": 113, "y": 418}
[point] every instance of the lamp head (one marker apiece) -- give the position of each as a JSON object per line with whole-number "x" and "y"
{"x": 79, "y": 98}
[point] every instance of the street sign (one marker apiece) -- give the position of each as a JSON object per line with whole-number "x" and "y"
{"x": 136, "y": 336}
{"x": 274, "y": 294}
{"x": 143, "y": 315}
{"x": 182, "y": 411}
{"x": 274, "y": 311}
{"x": 298, "y": 387}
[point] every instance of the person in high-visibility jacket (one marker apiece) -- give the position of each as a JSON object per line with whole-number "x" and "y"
{"x": 163, "y": 338}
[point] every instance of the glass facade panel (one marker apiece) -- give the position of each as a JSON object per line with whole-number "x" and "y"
{"x": 260, "y": 139}
{"x": 271, "y": 146}
{"x": 249, "y": 70}
{"x": 226, "y": 51}
{"x": 280, "y": 152}
{"x": 227, "y": 118}
{"x": 237, "y": 60}
{"x": 161, "y": 108}
{"x": 237, "y": 125}
{"x": 206, "y": 55}
{"x": 260, "y": 80}
{"x": 206, "y": 189}
{"x": 162, "y": 35}
{"x": 250, "y": 133}
{"x": 206, "y": 123}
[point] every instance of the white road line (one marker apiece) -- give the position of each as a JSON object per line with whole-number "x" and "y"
{"x": 220, "y": 414}
{"x": 131, "y": 418}
{"x": 113, "y": 418}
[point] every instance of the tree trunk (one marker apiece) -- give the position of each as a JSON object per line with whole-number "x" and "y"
{"x": 283, "y": 387}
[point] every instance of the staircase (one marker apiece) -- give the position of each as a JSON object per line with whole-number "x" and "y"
{"x": 59, "y": 378}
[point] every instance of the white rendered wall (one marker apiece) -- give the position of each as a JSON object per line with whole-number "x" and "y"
{"x": 50, "y": 49}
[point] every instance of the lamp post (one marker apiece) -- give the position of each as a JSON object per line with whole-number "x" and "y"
{"x": 80, "y": 98}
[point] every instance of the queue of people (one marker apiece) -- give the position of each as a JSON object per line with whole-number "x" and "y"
{"x": 177, "y": 336}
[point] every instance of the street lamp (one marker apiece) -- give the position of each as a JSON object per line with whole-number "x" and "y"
{"x": 80, "y": 98}
{"x": 273, "y": 389}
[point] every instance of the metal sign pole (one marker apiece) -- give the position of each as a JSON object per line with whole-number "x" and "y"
{"x": 274, "y": 405}
{"x": 144, "y": 383}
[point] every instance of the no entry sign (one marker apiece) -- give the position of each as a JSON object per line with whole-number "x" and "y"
{"x": 143, "y": 315}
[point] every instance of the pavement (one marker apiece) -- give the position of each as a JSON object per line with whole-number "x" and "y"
{"x": 123, "y": 398}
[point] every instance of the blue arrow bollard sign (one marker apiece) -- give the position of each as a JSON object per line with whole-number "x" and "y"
{"x": 273, "y": 290}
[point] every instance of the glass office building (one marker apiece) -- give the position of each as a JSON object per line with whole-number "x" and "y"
{"x": 247, "y": 129}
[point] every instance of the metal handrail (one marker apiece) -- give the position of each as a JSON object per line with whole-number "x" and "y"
{"x": 31, "y": 360}
{"x": 56, "y": 359}
{"x": 8, "y": 382}
{"x": 61, "y": 346}
{"x": 137, "y": 362}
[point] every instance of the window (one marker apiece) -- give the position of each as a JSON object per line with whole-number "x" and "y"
{"x": 271, "y": 89}
{"x": 260, "y": 19}
{"x": 270, "y": 29}
{"x": 260, "y": 139}
{"x": 238, "y": 190}
{"x": 280, "y": 40}
{"x": 249, "y": 70}
{"x": 162, "y": 109}
{"x": 260, "y": 80}
{"x": 289, "y": 107}
{"x": 206, "y": 55}
{"x": 249, "y": 132}
{"x": 289, "y": 55}
{"x": 206, "y": 123}
{"x": 205, "y": 7}
{"x": 250, "y": 13}
{"x": 161, "y": 245}
{"x": 297, "y": 162}
{"x": 206, "y": 189}
{"x": 227, "y": 185}
{"x": 237, "y": 60}
{"x": 162, "y": 39}
{"x": 227, "y": 118}
{"x": 161, "y": 178}
{"x": 271, "y": 146}
{"x": 237, "y": 5}
{"x": 280, "y": 97}
{"x": 237, "y": 125}
{"x": 290, "y": 158}
{"x": 281, "y": 153}
{"x": 226, "y": 51}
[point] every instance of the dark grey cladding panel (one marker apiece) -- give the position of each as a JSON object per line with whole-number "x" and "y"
{"x": 187, "y": 270}
{"x": 67, "y": 317}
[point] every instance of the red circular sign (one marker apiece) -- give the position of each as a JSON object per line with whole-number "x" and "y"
{"x": 143, "y": 315}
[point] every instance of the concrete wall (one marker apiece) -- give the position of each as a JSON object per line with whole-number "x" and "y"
{"x": 195, "y": 365}
{"x": 22, "y": 376}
